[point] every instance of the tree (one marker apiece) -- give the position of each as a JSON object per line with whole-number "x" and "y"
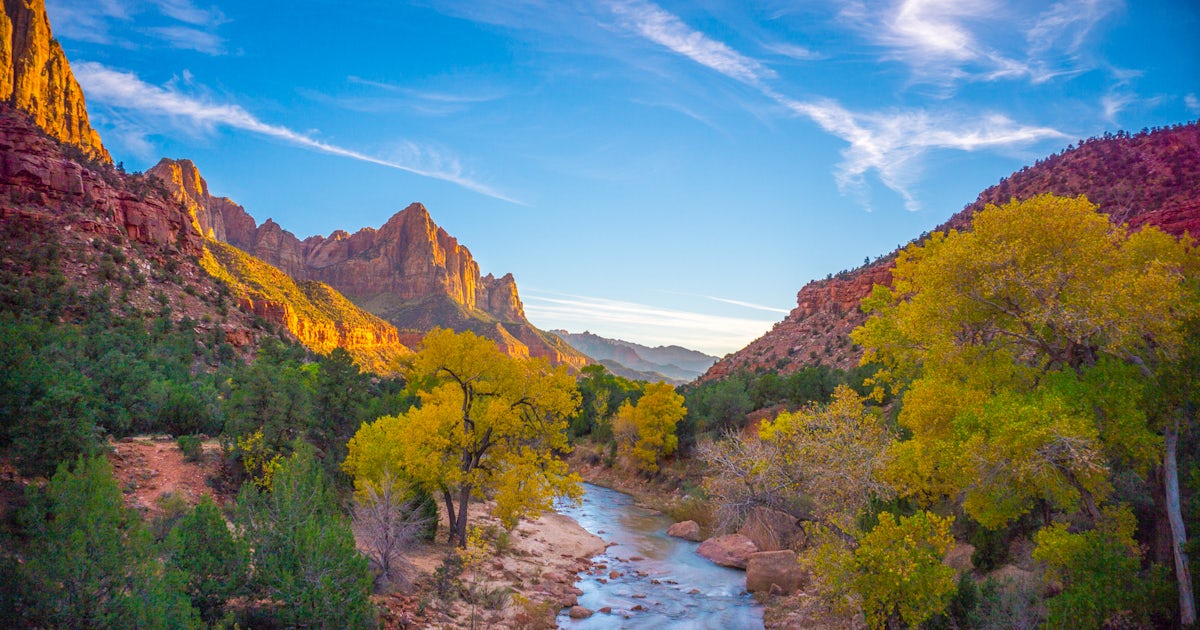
{"x": 1025, "y": 349}
{"x": 487, "y": 423}
{"x": 304, "y": 557}
{"x": 646, "y": 432}
{"x": 897, "y": 569}
{"x": 214, "y": 563}
{"x": 90, "y": 562}
{"x": 834, "y": 453}
{"x": 387, "y": 521}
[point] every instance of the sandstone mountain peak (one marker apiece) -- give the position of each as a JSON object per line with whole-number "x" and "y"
{"x": 36, "y": 79}
{"x": 409, "y": 271}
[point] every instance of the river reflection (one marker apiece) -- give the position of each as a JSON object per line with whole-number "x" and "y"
{"x": 661, "y": 582}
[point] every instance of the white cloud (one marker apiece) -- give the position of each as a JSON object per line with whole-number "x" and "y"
{"x": 641, "y": 323}
{"x": 750, "y": 305}
{"x": 124, "y": 90}
{"x": 189, "y": 27}
{"x": 663, "y": 28}
{"x": 1192, "y": 103}
{"x": 890, "y": 144}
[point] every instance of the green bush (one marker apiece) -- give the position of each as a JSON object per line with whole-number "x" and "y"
{"x": 191, "y": 446}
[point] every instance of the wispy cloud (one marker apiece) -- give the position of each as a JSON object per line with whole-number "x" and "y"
{"x": 187, "y": 26}
{"x": 126, "y": 91}
{"x": 188, "y": 38}
{"x": 187, "y": 11}
{"x": 890, "y": 144}
{"x": 944, "y": 42}
{"x": 750, "y": 305}
{"x": 794, "y": 51}
{"x": 663, "y": 28}
{"x": 643, "y": 323}
{"x": 1192, "y": 103}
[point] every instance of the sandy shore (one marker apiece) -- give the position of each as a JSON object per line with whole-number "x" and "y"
{"x": 538, "y": 565}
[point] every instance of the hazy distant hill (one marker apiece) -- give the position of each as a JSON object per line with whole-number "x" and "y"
{"x": 1148, "y": 178}
{"x": 672, "y": 363}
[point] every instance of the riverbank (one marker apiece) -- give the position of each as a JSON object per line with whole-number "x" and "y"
{"x": 527, "y": 578}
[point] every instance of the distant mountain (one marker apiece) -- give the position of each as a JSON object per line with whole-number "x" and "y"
{"x": 1148, "y": 178}
{"x": 409, "y": 272}
{"x": 631, "y": 360}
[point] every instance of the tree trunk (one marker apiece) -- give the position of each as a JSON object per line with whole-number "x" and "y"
{"x": 464, "y": 495}
{"x": 1187, "y": 605}
{"x": 451, "y": 522}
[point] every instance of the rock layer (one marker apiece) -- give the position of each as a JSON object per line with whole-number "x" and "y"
{"x": 36, "y": 78}
{"x": 1149, "y": 178}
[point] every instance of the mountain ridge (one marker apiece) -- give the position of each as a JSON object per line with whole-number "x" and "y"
{"x": 409, "y": 271}
{"x": 674, "y": 364}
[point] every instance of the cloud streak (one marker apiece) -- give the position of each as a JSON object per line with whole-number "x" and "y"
{"x": 125, "y": 90}
{"x": 642, "y": 323}
{"x": 665, "y": 29}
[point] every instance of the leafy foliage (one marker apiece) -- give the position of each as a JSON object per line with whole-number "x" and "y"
{"x": 304, "y": 558}
{"x": 487, "y": 423}
{"x": 646, "y": 432}
{"x": 90, "y": 562}
{"x": 215, "y": 564}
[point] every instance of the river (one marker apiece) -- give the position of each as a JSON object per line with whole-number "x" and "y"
{"x": 663, "y": 575}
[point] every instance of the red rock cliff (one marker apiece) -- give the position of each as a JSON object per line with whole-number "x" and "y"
{"x": 1149, "y": 178}
{"x": 36, "y": 79}
{"x": 409, "y": 271}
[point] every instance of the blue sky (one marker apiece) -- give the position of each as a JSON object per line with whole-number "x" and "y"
{"x": 666, "y": 173}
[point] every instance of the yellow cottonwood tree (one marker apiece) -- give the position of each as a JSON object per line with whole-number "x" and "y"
{"x": 1023, "y": 349}
{"x": 487, "y": 425}
{"x": 646, "y": 431}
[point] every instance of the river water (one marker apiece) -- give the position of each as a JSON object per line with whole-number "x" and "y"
{"x": 663, "y": 575}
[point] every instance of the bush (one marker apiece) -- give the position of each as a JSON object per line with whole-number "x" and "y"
{"x": 191, "y": 446}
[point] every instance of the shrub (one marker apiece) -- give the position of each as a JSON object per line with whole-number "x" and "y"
{"x": 191, "y": 446}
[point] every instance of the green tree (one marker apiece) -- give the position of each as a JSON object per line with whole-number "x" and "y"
{"x": 487, "y": 423}
{"x": 90, "y": 562}
{"x": 304, "y": 558}
{"x": 214, "y": 563}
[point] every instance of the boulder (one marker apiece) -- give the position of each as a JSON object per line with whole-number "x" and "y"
{"x": 772, "y": 530}
{"x": 580, "y": 612}
{"x": 730, "y": 550}
{"x": 774, "y": 572}
{"x": 687, "y": 530}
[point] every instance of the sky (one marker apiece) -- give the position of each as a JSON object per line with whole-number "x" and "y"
{"x": 660, "y": 172}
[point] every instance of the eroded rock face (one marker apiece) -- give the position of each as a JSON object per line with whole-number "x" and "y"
{"x": 408, "y": 271}
{"x": 35, "y": 78}
{"x": 1151, "y": 178}
{"x": 34, "y": 171}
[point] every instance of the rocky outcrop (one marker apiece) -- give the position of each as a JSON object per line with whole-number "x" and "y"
{"x": 409, "y": 271}
{"x": 730, "y": 550}
{"x": 776, "y": 572}
{"x": 36, "y": 79}
{"x": 214, "y": 217}
{"x": 1149, "y": 178}
{"x": 35, "y": 172}
{"x": 317, "y": 316}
